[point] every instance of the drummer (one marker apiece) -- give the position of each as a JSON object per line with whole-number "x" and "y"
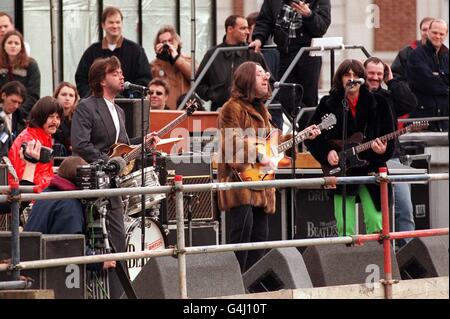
{"x": 158, "y": 94}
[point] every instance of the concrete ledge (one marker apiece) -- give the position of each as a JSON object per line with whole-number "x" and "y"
{"x": 27, "y": 294}
{"x": 431, "y": 288}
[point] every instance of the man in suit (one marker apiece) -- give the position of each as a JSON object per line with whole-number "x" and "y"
{"x": 97, "y": 124}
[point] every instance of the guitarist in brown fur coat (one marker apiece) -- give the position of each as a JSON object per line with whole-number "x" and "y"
{"x": 370, "y": 115}
{"x": 242, "y": 119}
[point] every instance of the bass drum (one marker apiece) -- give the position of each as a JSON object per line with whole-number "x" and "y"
{"x": 155, "y": 238}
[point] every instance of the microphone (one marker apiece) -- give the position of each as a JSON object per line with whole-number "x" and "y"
{"x": 278, "y": 85}
{"x": 130, "y": 86}
{"x": 360, "y": 81}
{"x": 115, "y": 165}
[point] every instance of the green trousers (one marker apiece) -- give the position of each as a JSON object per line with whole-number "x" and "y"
{"x": 372, "y": 217}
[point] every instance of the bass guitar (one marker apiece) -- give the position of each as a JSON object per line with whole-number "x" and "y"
{"x": 354, "y": 147}
{"x": 270, "y": 148}
{"x": 132, "y": 152}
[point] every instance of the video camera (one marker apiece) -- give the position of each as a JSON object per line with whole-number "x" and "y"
{"x": 99, "y": 174}
{"x": 92, "y": 176}
{"x": 45, "y": 156}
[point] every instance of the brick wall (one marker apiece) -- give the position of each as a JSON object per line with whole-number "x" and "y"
{"x": 238, "y": 7}
{"x": 397, "y": 24}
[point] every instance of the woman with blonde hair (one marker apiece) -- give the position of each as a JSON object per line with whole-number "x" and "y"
{"x": 16, "y": 65}
{"x": 67, "y": 95}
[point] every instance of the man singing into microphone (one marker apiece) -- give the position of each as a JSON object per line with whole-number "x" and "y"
{"x": 97, "y": 124}
{"x": 368, "y": 114}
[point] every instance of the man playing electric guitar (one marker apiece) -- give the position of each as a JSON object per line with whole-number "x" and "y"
{"x": 242, "y": 116}
{"x": 368, "y": 114}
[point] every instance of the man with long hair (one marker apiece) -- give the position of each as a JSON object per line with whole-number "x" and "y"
{"x": 241, "y": 119}
{"x": 368, "y": 114}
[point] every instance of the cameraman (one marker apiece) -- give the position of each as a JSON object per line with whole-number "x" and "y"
{"x": 171, "y": 65}
{"x": 45, "y": 118}
{"x": 62, "y": 216}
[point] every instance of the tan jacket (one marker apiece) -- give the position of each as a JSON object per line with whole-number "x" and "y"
{"x": 239, "y": 114}
{"x": 178, "y": 77}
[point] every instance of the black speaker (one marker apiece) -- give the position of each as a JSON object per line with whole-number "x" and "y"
{"x": 208, "y": 275}
{"x": 281, "y": 268}
{"x": 68, "y": 282}
{"x": 333, "y": 265}
{"x": 314, "y": 215}
{"x": 132, "y": 109}
{"x": 423, "y": 258}
{"x": 203, "y": 234}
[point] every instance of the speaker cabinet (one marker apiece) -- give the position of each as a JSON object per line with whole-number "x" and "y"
{"x": 203, "y": 234}
{"x": 208, "y": 275}
{"x": 423, "y": 258}
{"x": 333, "y": 265}
{"x": 68, "y": 282}
{"x": 281, "y": 268}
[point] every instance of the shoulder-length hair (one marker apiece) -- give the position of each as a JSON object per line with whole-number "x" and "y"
{"x": 98, "y": 71}
{"x": 22, "y": 60}
{"x": 356, "y": 66}
{"x": 244, "y": 82}
{"x": 173, "y": 33}
{"x": 74, "y": 88}
{"x": 43, "y": 108}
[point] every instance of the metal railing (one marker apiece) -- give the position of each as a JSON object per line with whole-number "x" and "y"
{"x": 181, "y": 251}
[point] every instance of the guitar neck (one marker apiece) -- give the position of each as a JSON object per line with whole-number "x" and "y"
{"x": 283, "y": 147}
{"x": 365, "y": 146}
{"x": 136, "y": 152}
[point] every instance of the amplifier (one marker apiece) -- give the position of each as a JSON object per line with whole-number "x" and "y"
{"x": 195, "y": 169}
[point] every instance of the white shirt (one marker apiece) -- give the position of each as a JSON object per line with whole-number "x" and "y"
{"x": 115, "y": 117}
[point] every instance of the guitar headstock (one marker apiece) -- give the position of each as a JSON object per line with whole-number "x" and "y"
{"x": 417, "y": 126}
{"x": 191, "y": 106}
{"x": 328, "y": 122}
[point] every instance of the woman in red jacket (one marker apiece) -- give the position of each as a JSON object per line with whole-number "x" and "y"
{"x": 45, "y": 118}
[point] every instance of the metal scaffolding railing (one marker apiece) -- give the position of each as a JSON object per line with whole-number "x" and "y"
{"x": 181, "y": 251}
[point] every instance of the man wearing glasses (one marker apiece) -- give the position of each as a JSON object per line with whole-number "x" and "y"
{"x": 158, "y": 94}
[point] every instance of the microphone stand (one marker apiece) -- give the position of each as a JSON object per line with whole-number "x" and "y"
{"x": 143, "y": 157}
{"x": 293, "y": 115}
{"x": 344, "y": 159}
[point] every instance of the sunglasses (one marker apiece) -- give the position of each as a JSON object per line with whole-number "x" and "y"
{"x": 158, "y": 93}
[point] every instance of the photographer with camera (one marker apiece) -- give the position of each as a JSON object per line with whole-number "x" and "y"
{"x": 171, "y": 65}
{"x": 45, "y": 118}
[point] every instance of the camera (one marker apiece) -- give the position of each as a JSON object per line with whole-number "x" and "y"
{"x": 45, "y": 156}
{"x": 92, "y": 176}
{"x": 165, "y": 47}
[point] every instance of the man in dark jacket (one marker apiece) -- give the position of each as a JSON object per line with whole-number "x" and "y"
{"x": 428, "y": 76}
{"x": 293, "y": 25}
{"x": 401, "y": 60}
{"x": 135, "y": 65}
{"x": 368, "y": 114}
{"x": 12, "y": 119}
{"x": 216, "y": 85}
{"x": 401, "y": 101}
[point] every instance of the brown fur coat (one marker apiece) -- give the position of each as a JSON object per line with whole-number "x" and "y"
{"x": 237, "y": 114}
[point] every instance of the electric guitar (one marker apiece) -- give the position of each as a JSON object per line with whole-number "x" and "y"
{"x": 268, "y": 147}
{"x": 355, "y": 146}
{"x": 132, "y": 152}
